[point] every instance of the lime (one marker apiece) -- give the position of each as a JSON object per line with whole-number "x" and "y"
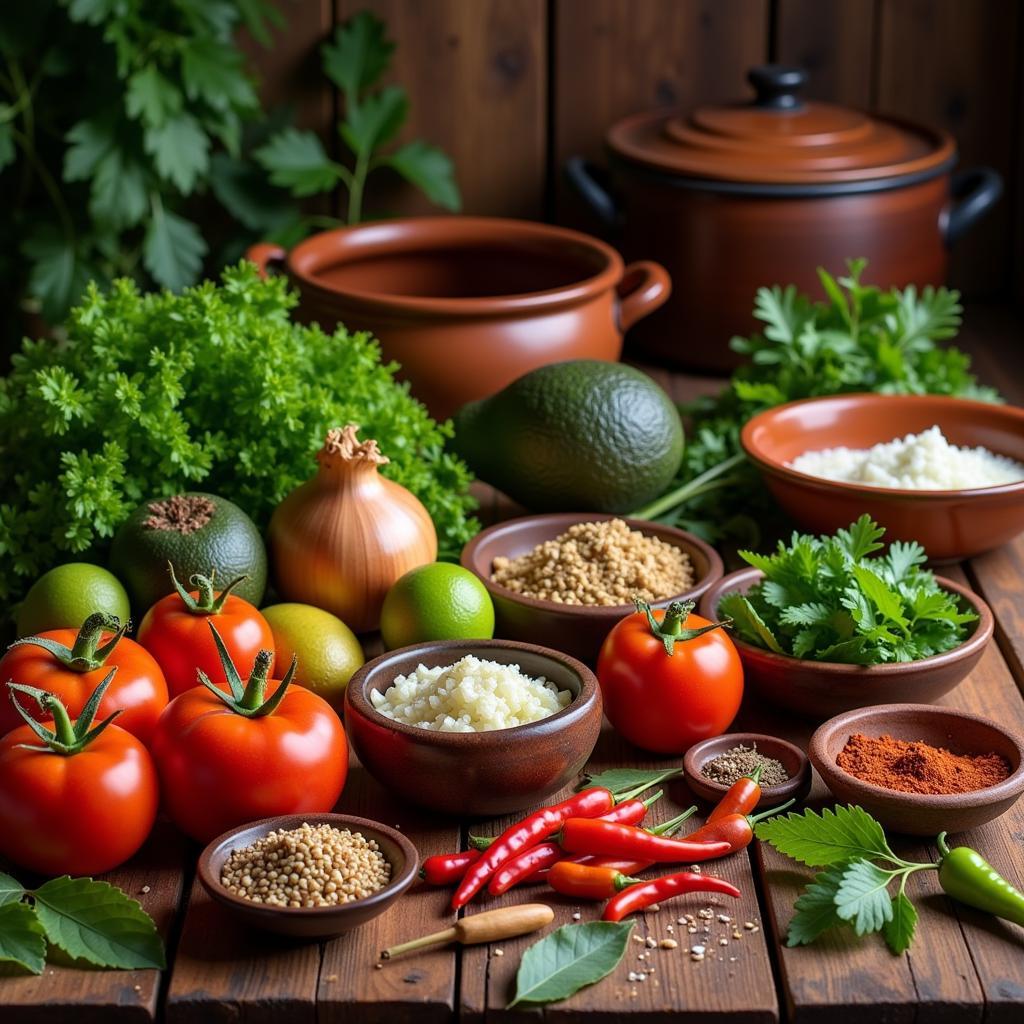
{"x": 438, "y": 601}
{"x": 327, "y": 649}
{"x": 68, "y": 595}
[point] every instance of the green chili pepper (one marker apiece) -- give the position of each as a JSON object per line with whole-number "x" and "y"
{"x": 968, "y": 877}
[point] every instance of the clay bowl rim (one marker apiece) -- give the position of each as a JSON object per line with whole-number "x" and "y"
{"x": 376, "y": 901}
{"x": 496, "y": 232}
{"x": 1010, "y": 788}
{"x": 972, "y": 645}
{"x": 792, "y": 785}
{"x": 563, "y": 520}
{"x": 774, "y": 467}
{"x": 574, "y": 712}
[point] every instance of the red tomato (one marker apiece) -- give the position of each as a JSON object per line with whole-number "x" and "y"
{"x": 75, "y": 814}
{"x": 179, "y": 637}
{"x": 138, "y": 687}
{"x": 663, "y": 702}
{"x": 219, "y": 768}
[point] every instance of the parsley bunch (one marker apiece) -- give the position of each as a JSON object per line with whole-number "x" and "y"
{"x": 824, "y": 599}
{"x": 154, "y": 394}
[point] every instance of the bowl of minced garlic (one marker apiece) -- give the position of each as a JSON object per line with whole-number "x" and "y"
{"x": 311, "y": 875}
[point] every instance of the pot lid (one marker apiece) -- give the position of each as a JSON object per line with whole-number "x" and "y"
{"x": 779, "y": 137}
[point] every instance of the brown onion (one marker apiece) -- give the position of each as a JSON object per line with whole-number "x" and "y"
{"x": 341, "y": 539}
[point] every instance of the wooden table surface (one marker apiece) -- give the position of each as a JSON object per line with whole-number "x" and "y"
{"x": 963, "y": 966}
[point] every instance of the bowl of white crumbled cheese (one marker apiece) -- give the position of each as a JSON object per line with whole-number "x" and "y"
{"x": 945, "y": 472}
{"x": 478, "y": 727}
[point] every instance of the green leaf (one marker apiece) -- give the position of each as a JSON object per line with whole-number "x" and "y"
{"x": 570, "y": 958}
{"x": 151, "y": 98}
{"x": 257, "y": 15}
{"x": 11, "y": 890}
{"x": 832, "y": 837}
{"x": 58, "y": 276}
{"x": 863, "y": 896}
{"x": 625, "y": 780}
{"x": 173, "y": 250}
{"x": 7, "y": 150}
{"x": 374, "y": 120}
{"x": 88, "y": 142}
{"x": 899, "y": 932}
{"x": 297, "y": 161}
{"x": 430, "y": 170}
{"x": 246, "y": 194}
{"x": 22, "y": 939}
{"x": 815, "y": 908}
{"x": 213, "y": 72}
{"x": 180, "y": 149}
{"x": 118, "y": 196}
{"x": 748, "y": 622}
{"x": 887, "y": 601}
{"x": 359, "y": 55}
{"x": 97, "y": 922}
{"x": 861, "y": 538}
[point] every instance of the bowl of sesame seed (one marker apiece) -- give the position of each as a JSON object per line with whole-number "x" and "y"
{"x": 308, "y": 875}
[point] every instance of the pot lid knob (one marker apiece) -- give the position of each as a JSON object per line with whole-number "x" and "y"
{"x": 777, "y": 85}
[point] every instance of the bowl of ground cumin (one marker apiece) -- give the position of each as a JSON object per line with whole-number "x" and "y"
{"x": 562, "y": 580}
{"x": 921, "y": 769}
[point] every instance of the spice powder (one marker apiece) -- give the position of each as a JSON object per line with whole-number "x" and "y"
{"x": 918, "y": 767}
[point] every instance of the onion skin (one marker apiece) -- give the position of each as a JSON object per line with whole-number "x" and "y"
{"x": 341, "y": 539}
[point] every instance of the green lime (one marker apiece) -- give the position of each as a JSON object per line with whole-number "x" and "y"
{"x": 438, "y": 601}
{"x": 68, "y": 595}
{"x": 327, "y": 649}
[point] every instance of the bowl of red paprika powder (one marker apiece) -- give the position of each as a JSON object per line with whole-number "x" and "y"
{"x": 920, "y": 769}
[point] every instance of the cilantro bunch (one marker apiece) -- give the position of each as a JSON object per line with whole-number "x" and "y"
{"x": 216, "y": 387}
{"x": 854, "y": 889}
{"x": 824, "y": 599}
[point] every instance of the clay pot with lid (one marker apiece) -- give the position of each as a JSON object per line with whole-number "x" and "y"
{"x": 736, "y": 197}
{"x": 467, "y": 304}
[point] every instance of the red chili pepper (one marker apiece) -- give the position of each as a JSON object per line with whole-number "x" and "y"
{"x": 632, "y": 812}
{"x": 641, "y": 896}
{"x": 587, "y": 882}
{"x": 582, "y": 835}
{"x": 446, "y": 868}
{"x": 524, "y": 866}
{"x": 532, "y": 830}
{"x": 741, "y": 798}
{"x": 735, "y": 829}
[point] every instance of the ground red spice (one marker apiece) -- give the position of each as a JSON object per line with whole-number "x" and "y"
{"x": 918, "y": 767}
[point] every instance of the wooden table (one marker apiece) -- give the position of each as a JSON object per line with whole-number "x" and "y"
{"x": 963, "y": 966}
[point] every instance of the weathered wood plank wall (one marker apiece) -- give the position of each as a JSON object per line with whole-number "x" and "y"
{"x": 512, "y": 87}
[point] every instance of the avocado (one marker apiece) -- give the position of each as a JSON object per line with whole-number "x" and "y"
{"x": 575, "y": 436}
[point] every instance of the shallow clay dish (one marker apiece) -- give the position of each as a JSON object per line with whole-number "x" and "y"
{"x": 312, "y": 922}
{"x": 578, "y": 630}
{"x": 914, "y": 813}
{"x": 820, "y": 689}
{"x": 792, "y": 758}
{"x": 950, "y": 524}
{"x": 481, "y": 773}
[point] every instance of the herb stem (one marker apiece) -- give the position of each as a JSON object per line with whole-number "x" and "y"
{"x": 689, "y": 489}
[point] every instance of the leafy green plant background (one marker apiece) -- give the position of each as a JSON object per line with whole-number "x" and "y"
{"x": 125, "y": 124}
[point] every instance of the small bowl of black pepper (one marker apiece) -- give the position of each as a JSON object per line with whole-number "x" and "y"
{"x": 712, "y": 766}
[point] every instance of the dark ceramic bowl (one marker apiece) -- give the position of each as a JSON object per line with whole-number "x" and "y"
{"x": 792, "y": 758}
{"x": 915, "y": 813}
{"x": 951, "y": 525}
{"x": 475, "y": 773}
{"x": 311, "y": 922}
{"x": 578, "y": 630}
{"x": 820, "y": 689}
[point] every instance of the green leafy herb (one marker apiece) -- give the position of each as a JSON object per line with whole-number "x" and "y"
{"x": 88, "y": 920}
{"x": 570, "y": 958}
{"x": 825, "y": 599}
{"x": 855, "y": 888}
{"x": 625, "y": 780}
{"x": 217, "y": 387}
{"x": 355, "y": 61}
{"x": 861, "y": 339}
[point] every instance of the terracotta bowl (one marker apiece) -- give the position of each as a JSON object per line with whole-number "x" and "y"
{"x": 312, "y": 922}
{"x": 792, "y": 758}
{"x": 468, "y": 304}
{"x": 915, "y": 813}
{"x": 820, "y": 689}
{"x": 475, "y": 774}
{"x": 578, "y": 630}
{"x": 950, "y": 524}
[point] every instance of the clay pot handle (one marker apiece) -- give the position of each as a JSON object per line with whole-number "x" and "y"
{"x": 265, "y": 255}
{"x": 644, "y": 287}
{"x": 974, "y": 193}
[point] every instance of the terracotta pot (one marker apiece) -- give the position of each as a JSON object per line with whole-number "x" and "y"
{"x": 468, "y": 304}
{"x": 733, "y": 198}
